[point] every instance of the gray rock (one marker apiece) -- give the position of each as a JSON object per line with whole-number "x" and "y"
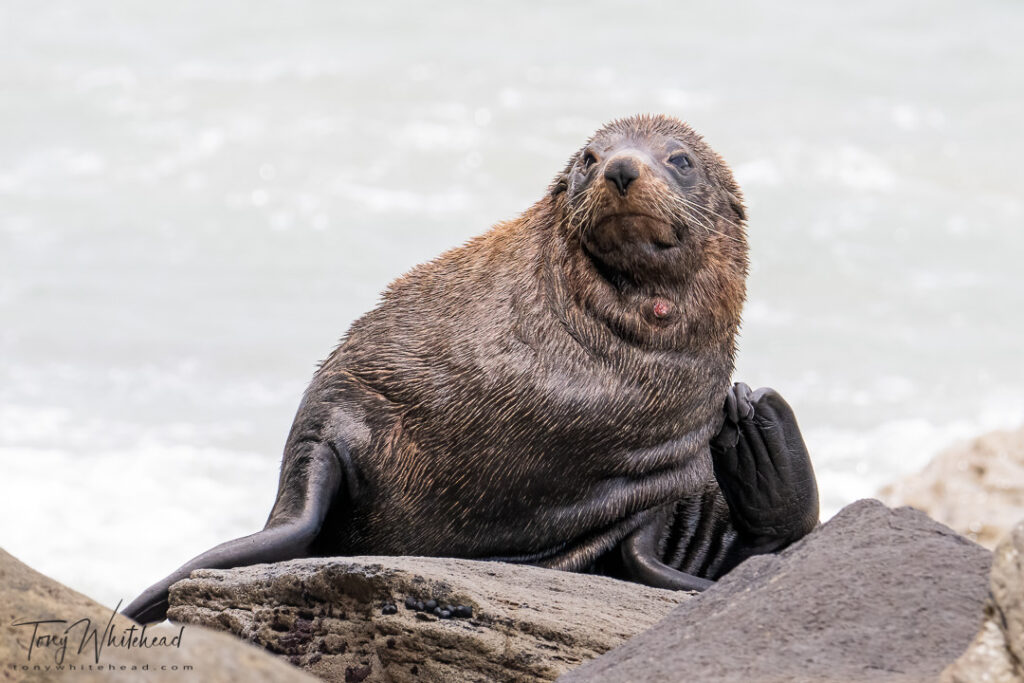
{"x": 873, "y": 595}
{"x": 997, "y": 653}
{"x": 325, "y": 615}
{"x": 27, "y": 595}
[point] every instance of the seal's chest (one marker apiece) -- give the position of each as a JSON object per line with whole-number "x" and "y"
{"x": 635, "y": 405}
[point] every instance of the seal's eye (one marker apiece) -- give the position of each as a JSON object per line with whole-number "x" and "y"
{"x": 588, "y": 160}
{"x": 681, "y": 160}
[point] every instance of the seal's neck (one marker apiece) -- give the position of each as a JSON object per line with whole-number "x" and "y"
{"x": 698, "y": 310}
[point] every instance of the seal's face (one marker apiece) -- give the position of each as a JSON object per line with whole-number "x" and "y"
{"x": 645, "y": 196}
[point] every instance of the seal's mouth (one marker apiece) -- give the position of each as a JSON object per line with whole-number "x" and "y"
{"x": 636, "y": 247}
{"x": 642, "y": 231}
{"x": 626, "y": 214}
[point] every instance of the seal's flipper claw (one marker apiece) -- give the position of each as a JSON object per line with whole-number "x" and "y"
{"x": 291, "y": 530}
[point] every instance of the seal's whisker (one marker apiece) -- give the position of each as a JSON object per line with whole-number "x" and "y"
{"x": 708, "y": 215}
{"x": 726, "y": 219}
{"x": 684, "y": 207}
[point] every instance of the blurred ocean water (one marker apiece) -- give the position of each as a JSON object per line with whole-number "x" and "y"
{"x": 196, "y": 200}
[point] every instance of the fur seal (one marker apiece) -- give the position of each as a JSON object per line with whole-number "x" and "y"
{"x": 556, "y": 392}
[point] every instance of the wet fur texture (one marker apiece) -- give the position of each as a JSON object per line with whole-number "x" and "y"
{"x": 516, "y": 397}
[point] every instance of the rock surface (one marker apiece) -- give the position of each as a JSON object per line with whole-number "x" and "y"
{"x": 325, "y": 615}
{"x": 976, "y": 488}
{"x": 997, "y": 653}
{"x": 873, "y": 595}
{"x": 27, "y": 595}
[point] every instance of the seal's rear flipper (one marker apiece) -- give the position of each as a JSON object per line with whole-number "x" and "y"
{"x": 289, "y": 532}
{"x": 642, "y": 562}
{"x": 764, "y": 470}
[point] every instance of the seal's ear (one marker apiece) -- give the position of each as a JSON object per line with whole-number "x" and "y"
{"x": 736, "y": 204}
{"x": 559, "y": 185}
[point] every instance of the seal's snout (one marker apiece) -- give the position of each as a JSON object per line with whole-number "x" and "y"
{"x": 621, "y": 171}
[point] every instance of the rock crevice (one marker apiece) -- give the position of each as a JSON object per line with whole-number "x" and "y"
{"x": 996, "y": 655}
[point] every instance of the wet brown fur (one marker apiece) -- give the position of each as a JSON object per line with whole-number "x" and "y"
{"x": 515, "y": 398}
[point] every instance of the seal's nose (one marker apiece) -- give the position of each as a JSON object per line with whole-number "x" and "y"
{"x": 621, "y": 171}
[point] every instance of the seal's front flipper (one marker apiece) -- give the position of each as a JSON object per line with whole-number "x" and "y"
{"x": 764, "y": 470}
{"x": 288, "y": 534}
{"x": 642, "y": 562}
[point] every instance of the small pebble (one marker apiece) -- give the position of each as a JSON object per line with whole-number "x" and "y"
{"x": 431, "y": 607}
{"x": 389, "y": 609}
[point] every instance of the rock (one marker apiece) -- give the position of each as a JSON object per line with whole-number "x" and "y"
{"x": 325, "y": 615}
{"x": 27, "y": 595}
{"x": 976, "y": 488}
{"x": 873, "y": 595}
{"x": 997, "y": 653}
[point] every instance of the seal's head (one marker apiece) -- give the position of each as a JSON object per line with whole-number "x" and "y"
{"x": 645, "y": 193}
{"x": 660, "y": 219}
